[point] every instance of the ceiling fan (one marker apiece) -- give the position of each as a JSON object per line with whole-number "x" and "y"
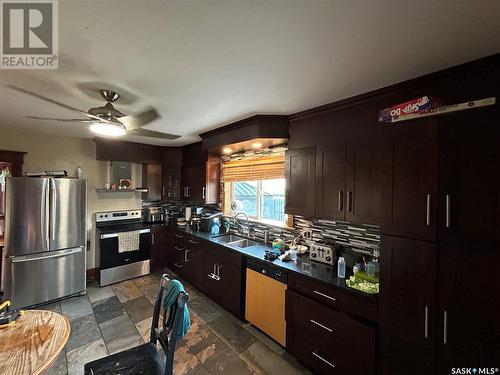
{"x": 107, "y": 120}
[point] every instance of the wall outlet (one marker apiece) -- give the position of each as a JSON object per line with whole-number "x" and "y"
{"x": 308, "y": 233}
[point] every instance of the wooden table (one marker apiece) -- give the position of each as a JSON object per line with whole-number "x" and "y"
{"x": 33, "y": 343}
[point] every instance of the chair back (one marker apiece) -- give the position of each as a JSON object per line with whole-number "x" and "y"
{"x": 172, "y": 319}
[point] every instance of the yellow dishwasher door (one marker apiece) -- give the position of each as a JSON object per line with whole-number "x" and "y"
{"x": 265, "y": 304}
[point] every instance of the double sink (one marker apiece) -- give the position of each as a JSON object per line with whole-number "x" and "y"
{"x": 237, "y": 241}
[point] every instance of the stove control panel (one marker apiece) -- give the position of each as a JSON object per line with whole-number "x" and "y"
{"x": 117, "y": 215}
{"x": 322, "y": 253}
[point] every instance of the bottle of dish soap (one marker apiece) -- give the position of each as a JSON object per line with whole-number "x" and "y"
{"x": 341, "y": 268}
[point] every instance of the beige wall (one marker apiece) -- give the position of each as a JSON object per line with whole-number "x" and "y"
{"x": 48, "y": 152}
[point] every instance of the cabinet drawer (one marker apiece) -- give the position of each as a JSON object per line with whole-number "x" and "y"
{"x": 334, "y": 297}
{"x": 325, "y": 323}
{"x": 329, "y": 359}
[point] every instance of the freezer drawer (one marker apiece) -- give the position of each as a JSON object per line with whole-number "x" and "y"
{"x": 38, "y": 278}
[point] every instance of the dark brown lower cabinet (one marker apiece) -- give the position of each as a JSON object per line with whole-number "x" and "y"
{"x": 222, "y": 278}
{"x": 328, "y": 340}
{"x": 159, "y": 246}
{"x": 468, "y": 314}
{"x": 407, "y": 306}
{"x": 437, "y": 307}
{"x": 217, "y": 272}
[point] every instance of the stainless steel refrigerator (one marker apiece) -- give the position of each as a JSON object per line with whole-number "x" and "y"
{"x": 45, "y": 239}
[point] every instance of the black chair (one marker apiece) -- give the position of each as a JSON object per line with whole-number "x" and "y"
{"x": 145, "y": 359}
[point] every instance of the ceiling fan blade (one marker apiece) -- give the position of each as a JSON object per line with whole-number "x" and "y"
{"x": 152, "y": 134}
{"x": 27, "y": 92}
{"x": 61, "y": 119}
{"x": 140, "y": 119}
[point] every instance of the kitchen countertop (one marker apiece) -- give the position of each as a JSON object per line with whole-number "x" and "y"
{"x": 303, "y": 266}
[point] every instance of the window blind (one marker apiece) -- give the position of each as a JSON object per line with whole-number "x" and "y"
{"x": 259, "y": 168}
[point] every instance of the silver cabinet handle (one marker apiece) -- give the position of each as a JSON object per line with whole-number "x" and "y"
{"x": 321, "y": 325}
{"x": 193, "y": 242}
{"x": 178, "y": 236}
{"x": 447, "y": 209}
{"x": 152, "y": 238}
{"x": 186, "y": 259}
{"x": 217, "y": 272}
{"x": 203, "y": 192}
{"x": 426, "y": 323}
{"x": 428, "y": 210}
{"x": 178, "y": 265}
{"x": 178, "y": 248}
{"x": 349, "y": 195}
{"x": 341, "y": 193}
{"x": 325, "y": 295}
{"x": 324, "y": 360}
{"x": 445, "y": 327}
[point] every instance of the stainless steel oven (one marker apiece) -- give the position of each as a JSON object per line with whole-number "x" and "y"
{"x": 122, "y": 246}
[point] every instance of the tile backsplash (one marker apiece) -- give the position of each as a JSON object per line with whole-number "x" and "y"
{"x": 362, "y": 239}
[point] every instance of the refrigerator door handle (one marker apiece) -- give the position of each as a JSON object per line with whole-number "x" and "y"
{"x": 46, "y": 216}
{"x": 55, "y": 254}
{"x": 52, "y": 209}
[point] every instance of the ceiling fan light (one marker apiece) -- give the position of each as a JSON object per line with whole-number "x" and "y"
{"x": 110, "y": 130}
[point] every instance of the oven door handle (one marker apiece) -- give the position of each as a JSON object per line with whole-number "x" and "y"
{"x": 114, "y": 235}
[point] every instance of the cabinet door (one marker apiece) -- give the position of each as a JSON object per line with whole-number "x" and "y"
{"x": 171, "y": 187}
{"x": 363, "y": 182}
{"x": 158, "y": 249}
{"x": 409, "y": 182}
{"x": 231, "y": 287}
{"x": 468, "y": 178}
{"x": 210, "y": 286}
{"x": 153, "y": 181}
{"x": 468, "y": 308}
{"x": 193, "y": 182}
{"x": 300, "y": 181}
{"x": 330, "y": 181}
{"x": 193, "y": 261}
{"x": 407, "y": 305}
{"x": 211, "y": 190}
{"x": 170, "y": 254}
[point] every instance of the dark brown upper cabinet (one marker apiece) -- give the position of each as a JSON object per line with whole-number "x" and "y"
{"x": 211, "y": 194}
{"x": 407, "y": 306}
{"x": 362, "y": 205}
{"x": 469, "y": 157}
{"x": 194, "y": 160}
{"x": 409, "y": 181}
{"x": 345, "y": 185}
{"x": 193, "y": 182}
{"x": 300, "y": 181}
{"x": 171, "y": 173}
{"x": 152, "y": 179}
{"x": 331, "y": 181}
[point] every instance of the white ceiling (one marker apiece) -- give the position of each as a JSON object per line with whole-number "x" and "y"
{"x": 204, "y": 64}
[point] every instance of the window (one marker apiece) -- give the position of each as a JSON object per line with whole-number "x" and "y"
{"x": 262, "y": 200}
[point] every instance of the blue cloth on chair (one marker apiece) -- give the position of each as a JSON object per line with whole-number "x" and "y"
{"x": 172, "y": 290}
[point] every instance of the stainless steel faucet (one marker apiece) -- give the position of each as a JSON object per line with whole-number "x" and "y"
{"x": 235, "y": 217}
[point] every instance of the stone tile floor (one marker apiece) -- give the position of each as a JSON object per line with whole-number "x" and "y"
{"x": 117, "y": 317}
